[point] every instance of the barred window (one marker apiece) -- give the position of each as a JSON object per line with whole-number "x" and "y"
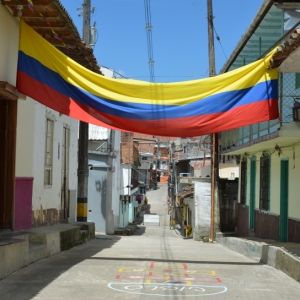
{"x": 264, "y": 201}
{"x": 48, "y": 153}
{"x": 243, "y": 181}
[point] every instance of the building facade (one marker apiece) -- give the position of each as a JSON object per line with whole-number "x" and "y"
{"x": 268, "y": 204}
{"x": 38, "y": 164}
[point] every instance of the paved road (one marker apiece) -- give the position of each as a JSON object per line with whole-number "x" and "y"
{"x": 153, "y": 264}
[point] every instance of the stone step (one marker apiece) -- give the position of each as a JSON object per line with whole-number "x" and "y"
{"x": 128, "y": 230}
{"x": 19, "y": 249}
{"x": 84, "y": 234}
{"x": 14, "y": 256}
{"x": 37, "y": 252}
{"x": 120, "y": 231}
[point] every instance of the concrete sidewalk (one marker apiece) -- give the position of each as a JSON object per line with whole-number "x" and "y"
{"x": 153, "y": 263}
{"x": 282, "y": 256}
{"x": 22, "y": 248}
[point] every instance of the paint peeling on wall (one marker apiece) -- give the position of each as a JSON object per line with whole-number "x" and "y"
{"x": 45, "y": 217}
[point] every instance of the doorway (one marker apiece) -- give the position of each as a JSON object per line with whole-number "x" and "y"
{"x": 64, "y": 213}
{"x": 252, "y": 191}
{"x": 8, "y": 121}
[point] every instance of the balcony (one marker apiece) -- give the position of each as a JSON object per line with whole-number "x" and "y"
{"x": 289, "y": 91}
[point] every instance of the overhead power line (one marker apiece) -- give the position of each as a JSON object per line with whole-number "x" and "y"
{"x": 205, "y": 16}
{"x": 149, "y": 39}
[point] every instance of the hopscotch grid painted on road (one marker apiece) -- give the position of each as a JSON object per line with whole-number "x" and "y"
{"x": 137, "y": 280}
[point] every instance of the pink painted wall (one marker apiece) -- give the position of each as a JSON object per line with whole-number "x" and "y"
{"x": 23, "y": 202}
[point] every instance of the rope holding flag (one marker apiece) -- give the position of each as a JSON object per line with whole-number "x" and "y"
{"x": 245, "y": 96}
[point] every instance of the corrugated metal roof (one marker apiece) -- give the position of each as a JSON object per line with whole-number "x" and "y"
{"x": 265, "y": 30}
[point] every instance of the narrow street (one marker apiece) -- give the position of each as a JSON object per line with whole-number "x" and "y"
{"x": 154, "y": 263}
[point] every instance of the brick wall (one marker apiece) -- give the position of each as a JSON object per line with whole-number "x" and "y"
{"x": 126, "y": 147}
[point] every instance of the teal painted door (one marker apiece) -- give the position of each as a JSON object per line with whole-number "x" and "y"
{"x": 284, "y": 180}
{"x": 252, "y": 191}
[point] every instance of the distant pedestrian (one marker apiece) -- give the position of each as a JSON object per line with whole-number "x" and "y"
{"x": 184, "y": 228}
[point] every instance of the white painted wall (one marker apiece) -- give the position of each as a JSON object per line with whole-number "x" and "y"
{"x": 31, "y": 122}
{"x": 50, "y": 197}
{"x": 202, "y": 196}
{"x": 206, "y": 171}
{"x": 116, "y": 178}
{"x": 9, "y": 37}
{"x": 25, "y": 138}
{"x": 125, "y": 179}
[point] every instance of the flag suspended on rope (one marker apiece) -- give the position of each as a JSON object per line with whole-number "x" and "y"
{"x": 238, "y": 98}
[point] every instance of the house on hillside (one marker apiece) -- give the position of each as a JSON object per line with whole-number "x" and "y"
{"x": 38, "y": 159}
{"x": 145, "y": 168}
{"x": 268, "y": 201}
{"x": 161, "y": 161}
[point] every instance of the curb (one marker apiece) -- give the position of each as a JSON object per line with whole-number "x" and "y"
{"x": 261, "y": 252}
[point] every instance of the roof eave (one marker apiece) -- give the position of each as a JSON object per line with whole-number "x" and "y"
{"x": 265, "y": 7}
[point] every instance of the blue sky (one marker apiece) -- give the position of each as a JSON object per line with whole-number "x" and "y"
{"x": 179, "y": 35}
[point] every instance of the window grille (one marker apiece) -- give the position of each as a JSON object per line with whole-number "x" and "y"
{"x": 243, "y": 181}
{"x": 264, "y": 201}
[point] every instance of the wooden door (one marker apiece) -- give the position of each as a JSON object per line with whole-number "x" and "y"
{"x": 8, "y": 117}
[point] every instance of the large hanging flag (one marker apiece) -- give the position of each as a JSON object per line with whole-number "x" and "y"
{"x": 241, "y": 97}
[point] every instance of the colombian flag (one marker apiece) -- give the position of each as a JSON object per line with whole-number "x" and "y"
{"x": 241, "y": 97}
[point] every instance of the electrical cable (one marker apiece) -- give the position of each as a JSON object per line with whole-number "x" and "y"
{"x": 149, "y": 39}
{"x": 219, "y": 40}
{"x": 217, "y": 36}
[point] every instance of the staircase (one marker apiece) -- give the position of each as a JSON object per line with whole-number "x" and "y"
{"x": 19, "y": 249}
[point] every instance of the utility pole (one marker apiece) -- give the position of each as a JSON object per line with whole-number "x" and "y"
{"x": 157, "y": 161}
{"x": 83, "y": 171}
{"x": 214, "y": 137}
{"x": 172, "y": 211}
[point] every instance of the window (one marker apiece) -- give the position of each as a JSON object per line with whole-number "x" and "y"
{"x": 243, "y": 181}
{"x": 264, "y": 195}
{"x": 48, "y": 153}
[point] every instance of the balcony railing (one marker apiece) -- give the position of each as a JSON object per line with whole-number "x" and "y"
{"x": 289, "y": 90}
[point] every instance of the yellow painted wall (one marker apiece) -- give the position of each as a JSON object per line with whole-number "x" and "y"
{"x": 294, "y": 183}
{"x": 248, "y": 183}
{"x": 275, "y": 184}
{"x": 257, "y": 181}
